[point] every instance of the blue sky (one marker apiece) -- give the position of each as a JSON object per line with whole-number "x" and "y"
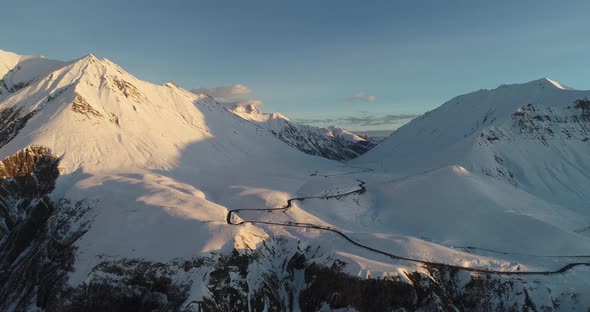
{"x": 357, "y": 64}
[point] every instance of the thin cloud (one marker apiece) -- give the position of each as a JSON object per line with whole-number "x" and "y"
{"x": 230, "y": 96}
{"x": 363, "y": 121}
{"x": 361, "y": 97}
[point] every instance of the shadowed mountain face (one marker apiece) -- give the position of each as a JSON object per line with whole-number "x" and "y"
{"x": 34, "y": 256}
{"x": 115, "y": 195}
{"x": 332, "y": 142}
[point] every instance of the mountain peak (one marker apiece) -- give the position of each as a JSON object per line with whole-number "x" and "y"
{"x": 557, "y": 84}
{"x": 544, "y": 83}
{"x": 247, "y": 109}
{"x": 88, "y": 58}
{"x": 551, "y": 83}
{"x": 8, "y": 61}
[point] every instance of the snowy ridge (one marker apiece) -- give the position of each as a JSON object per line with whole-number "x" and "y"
{"x": 519, "y": 133}
{"x": 558, "y": 85}
{"x": 16, "y": 71}
{"x": 157, "y": 151}
{"x": 116, "y": 194}
{"x": 332, "y": 142}
{"x": 124, "y": 122}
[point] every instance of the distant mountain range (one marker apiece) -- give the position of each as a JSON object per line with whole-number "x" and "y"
{"x": 332, "y": 143}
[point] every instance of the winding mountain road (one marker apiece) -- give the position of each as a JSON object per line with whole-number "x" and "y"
{"x": 362, "y": 190}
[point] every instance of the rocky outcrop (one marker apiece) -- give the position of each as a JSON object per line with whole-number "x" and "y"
{"x": 11, "y": 122}
{"x": 129, "y": 90}
{"x": 278, "y": 277}
{"x": 315, "y": 141}
{"x": 36, "y": 234}
{"x": 331, "y": 142}
{"x": 133, "y": 285}
{"x": 531, "y": 123}
{"x": 81, "y": 106}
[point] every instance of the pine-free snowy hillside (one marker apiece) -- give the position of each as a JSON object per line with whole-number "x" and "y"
{"x": 120, "y": 195}
{"x": 332, "y": 143}
{"x": 534, "y": 136}
{"x": 17, "y": 71}
{"x": 139, "y": 168}
{"x": 97, "y": 117}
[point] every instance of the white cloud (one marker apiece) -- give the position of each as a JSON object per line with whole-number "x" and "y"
{"x": 230, "y": 96}
{"x": 235, "y": 90}
{"x": 361, "y": 97}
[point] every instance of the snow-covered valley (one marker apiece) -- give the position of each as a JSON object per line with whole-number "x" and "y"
{"x": 118, "y": 194}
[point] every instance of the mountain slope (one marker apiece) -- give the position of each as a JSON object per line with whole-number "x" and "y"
{"x": 136, "y": 161}
{"x": 115, "y": 194}
{"x": 332, "y": 143}
{"x": 94, "y": 106}
{"x": 533, "y": 135}
{"x": 17, "y": 71}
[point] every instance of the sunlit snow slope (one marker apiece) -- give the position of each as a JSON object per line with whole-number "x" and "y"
{"x": 117, "y": 191}
{"x": 153, "y": 159}
{"x": 534, "y": 136}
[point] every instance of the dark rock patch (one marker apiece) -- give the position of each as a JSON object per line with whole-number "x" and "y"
{"x": 11, "y": 122}
{"x": 18, "y": 86}
{"x": 81, "y": 106}
{"x": 133, "y": 285}
{"x": 35, "y": 242}
{"x": 128, "y": 90}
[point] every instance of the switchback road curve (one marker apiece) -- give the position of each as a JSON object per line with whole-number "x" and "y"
{"x": 362, "y": 190}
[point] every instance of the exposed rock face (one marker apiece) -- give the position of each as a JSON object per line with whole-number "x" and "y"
{"x": 545, "y": 125}
{"x": 277, "y": 278}
{"x": 537, "y": 123}
{"x": 36, "y": 235}
{"x": 3, "y": 87}
{"x": 583, "y": 104}
{"x": 132, "y": 285}
{"x": 129, "y": 90}
{"x": 315, "y": 141}
{"x": 553, "y": 123}
{"x": 18, "y": 86}
{"x": 11, "y": 122}
{"x": 81, "y": 106}
{"x": 331, "y": 142}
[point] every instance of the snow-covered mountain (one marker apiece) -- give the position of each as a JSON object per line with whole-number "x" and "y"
{"x": 141, "y": 161}
{"x": 117, "y": 194}
{"x": 332, "y": 142}
{"x": 534, "y": 136}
